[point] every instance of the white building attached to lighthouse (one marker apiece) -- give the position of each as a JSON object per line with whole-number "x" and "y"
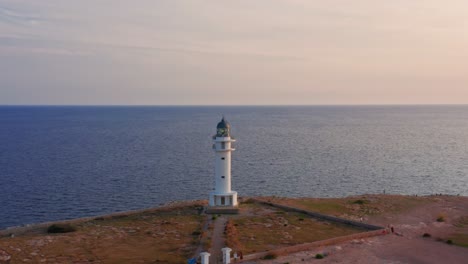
{"x": 223, "y": 196}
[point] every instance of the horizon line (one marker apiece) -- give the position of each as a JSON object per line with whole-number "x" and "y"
{"x": 220, "y": 105}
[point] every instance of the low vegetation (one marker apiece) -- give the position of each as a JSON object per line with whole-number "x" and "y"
{"x": 354, "y": 207}
{"x": 270, "y": 256}
{"x": 60, "y": 228}
{"x": 232, "y": 236}
{"x": 461, "y": 222}
{"x": 248, "y": 201}
{"x": 440, "y": 218}
{"x": 171, "y": 235}
{"x": 274, "y": 228}
{"x": 359, "y": 201}
{"x": 156, "y": 236}
{"x": 459, "y": 239}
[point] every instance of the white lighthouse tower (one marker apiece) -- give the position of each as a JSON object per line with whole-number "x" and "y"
{"x": 223, "y": 196}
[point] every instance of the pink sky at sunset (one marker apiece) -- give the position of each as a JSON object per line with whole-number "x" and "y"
{"x": 233, "y": 52}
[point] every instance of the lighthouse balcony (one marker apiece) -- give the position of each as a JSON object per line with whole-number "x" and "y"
{"x": 223, "y": 139}
{"x": 223, "y": 149}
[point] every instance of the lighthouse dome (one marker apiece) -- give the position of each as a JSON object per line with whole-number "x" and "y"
{"x": 223, "y": 124}
{"x": 223, "y": 129}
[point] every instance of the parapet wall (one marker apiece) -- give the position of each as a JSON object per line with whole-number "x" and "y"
{"x": 221, "y": 210}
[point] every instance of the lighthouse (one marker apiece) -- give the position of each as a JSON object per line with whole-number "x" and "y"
{"x": 222, "y": 196}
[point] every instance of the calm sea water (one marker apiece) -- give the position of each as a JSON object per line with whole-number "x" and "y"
{"x": 67, "y": 162}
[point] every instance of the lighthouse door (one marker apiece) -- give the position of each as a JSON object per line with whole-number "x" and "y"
{"x": 223, "y": 200}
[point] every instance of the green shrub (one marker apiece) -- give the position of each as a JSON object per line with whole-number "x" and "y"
{"x": 359, "y": 201}
{"x": 426, "y": 235}
{"x": 200, "y": 209}
{"x": 319, "y": 256}
{"x": 269, "y": 256}
{"x": 450, "y": 242}
{"x": 249, "y": 201}
{"x": 440, "y": 218}
{"x": 61, "y": 228}
{"x": 196, "y": 233}
{"x": 213, "y": 217}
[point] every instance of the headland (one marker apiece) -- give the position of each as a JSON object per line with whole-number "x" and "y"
{"x": 425, "y": 229}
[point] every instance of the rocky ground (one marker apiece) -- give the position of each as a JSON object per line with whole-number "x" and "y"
{"x": 444, "y": 218}
{"x": 177, "y": 232}
{"x": 162, "y": 235}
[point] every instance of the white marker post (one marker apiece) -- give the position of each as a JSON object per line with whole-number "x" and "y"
{"x": 226, "y": 255}
{"x": 205, "y": 257}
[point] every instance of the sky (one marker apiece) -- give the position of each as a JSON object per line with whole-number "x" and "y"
{"x": 243, "y": 52}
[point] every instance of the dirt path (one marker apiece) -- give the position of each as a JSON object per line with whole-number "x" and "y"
{"x": 217, "y": 240}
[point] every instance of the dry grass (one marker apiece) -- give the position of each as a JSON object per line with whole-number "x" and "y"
{"x": 171, "y": 235}
{"x": 459, "y": 239}
{"x": 355, "y": 207}
{"x": 462, "y": 222}
{"x": 441, "y": 217}
{"x": 160, "y": 236}
{"x": 278, "y": 229}
{"x": 232, "y": 237}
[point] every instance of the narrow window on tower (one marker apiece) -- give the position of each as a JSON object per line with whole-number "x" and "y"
{"x": 223, "y": 145}
{"x": 222, "y": 158}
{"x": 222, "y": 177}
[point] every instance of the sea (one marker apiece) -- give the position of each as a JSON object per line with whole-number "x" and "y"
{"x": 63, "y": 162}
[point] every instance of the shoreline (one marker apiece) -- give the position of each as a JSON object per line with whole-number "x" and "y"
{"x": 30, "y": 227}
{"x": 36, "y": 226}
{"x": 290, "y": 229}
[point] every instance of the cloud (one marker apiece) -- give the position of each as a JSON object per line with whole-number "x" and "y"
{"x": 11, "y": 16}
{"x": 16, "y": 51}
